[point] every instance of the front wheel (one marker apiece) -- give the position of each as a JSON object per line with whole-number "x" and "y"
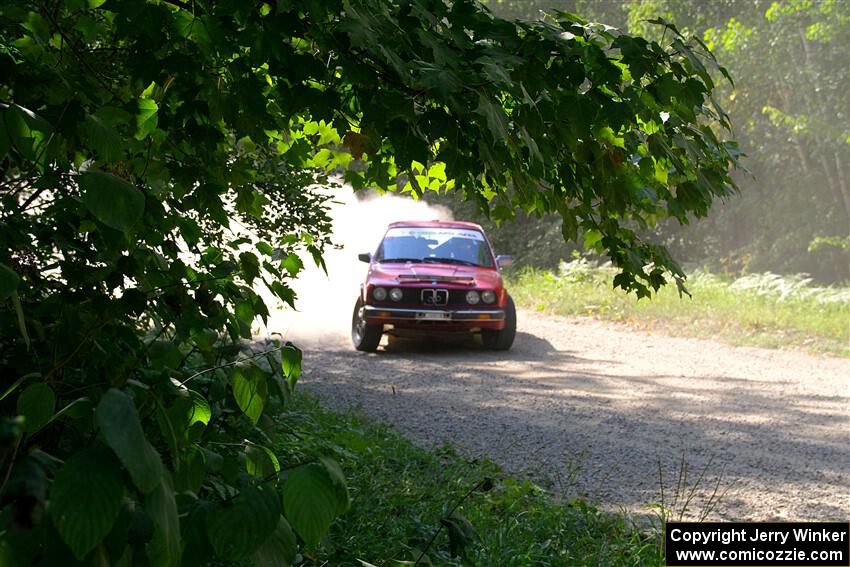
{"x": 365, "y": 337}
{"x": 502, "y": 340}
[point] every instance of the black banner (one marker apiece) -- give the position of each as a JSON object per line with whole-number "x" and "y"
{"x": 764, "y": 544}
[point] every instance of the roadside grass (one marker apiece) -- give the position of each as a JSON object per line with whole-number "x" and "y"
{"x": 763, "y": 310}
{"x": 402, "y": 497}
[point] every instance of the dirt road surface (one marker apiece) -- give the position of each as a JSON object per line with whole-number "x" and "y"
{"x": 599, "y": 409}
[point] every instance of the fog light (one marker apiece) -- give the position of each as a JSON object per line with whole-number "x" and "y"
{"x": 488, "y": 296}
{"x": 379, "y": 294}
{"x": 472, "y": 297}
{"x": 396, "y": 294}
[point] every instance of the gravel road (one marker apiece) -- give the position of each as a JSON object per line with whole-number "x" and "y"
{"x": 598, "y": 409}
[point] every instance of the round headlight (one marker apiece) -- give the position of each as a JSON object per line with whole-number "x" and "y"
{"x": 472, "y": 297}
{"x": 488, "y": 296}
{"x": 395, "y": 294}
{"x": 379, "y": 294}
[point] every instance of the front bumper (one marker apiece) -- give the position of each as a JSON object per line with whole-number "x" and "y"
{"x": 390, "y": 314}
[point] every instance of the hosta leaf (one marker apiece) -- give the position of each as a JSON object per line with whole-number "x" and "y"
{"x": 119, "y": 423}
{"x": 85, "y": 499}
{"x": 314, "y": 494}
{"x": 112, "y": 200}
{"x": 36, "y": 404}
{"x": 279, "y": 549}
{"x": 237, "y": 529}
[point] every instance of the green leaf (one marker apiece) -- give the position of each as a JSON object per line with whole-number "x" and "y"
{"x": 313, "y": 496}
{"x": 17, "y": 383}
{"x": 37, "y": 404}
{"x": 495, "y": 116}
{"x": 201, "y": 411}
{"x": 146, "y": 118}
{"x": 112, "y": 200}
{"x": 591, "y": 238}
{"x": 250, "y": 266}
{"x": 260, "y": 461}
{"x": 86, "y": 498}
{"x": 8, "y": 281}
{"x": 290, "y": 362}
{"x": 191, "y": 470}
{"x": 164, "y": 549}
{"x": 279, "y": 550}
{"x": 293, "y": 264}
{"x": 103, "y": 138}
{"x": 250, "y": 391}
{"x": 238, "y": 529}
{"x": 119, "y": 423}
{"x": 26, "y": 131}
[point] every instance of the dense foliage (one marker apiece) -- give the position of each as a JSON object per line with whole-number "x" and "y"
{"x": 157, "y": 161}
{"x": 759, "y": 309}
{"x": 790, "y": 106}
{"x": 441, "y": 508}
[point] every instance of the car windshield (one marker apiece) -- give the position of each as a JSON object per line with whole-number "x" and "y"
{"x": 441, "y": 245}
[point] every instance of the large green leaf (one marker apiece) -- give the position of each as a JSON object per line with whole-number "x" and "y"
{"x": 250, "y": 391}
{"x": 36, "y": 404}
{"x": 279, "y": 549}
{"x": 103, "y": 138}
{"x": 160, "y": 505}
{"x": 237, "y": 529}
{"x": 113, "y": 201}
{"x": 119, "y": 423}
{"x": 313, "y": 496}
{"x": 8, "y": 281}
{"x": 85, "y": 499}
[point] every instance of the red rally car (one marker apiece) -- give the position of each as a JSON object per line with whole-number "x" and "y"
{"x": 434, "y": 277}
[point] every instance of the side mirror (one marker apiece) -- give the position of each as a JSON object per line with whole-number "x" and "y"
{"x": 504, "y": 261}
{"x": 365, "y": 257}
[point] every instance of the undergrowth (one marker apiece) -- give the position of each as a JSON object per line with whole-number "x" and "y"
{"x": 764, "y": 310}
{"x": 434, "y": 506}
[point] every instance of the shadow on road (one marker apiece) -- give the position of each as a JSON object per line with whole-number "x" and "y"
{"x": 554, "y": 413}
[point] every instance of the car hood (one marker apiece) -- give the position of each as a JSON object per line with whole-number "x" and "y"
{"x": 441, "y": 273}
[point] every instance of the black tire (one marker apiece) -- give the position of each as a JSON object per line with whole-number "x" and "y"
{"x": 365, "y": 337}
{"x": 502, "y": 340}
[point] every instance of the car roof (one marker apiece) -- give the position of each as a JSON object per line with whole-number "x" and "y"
{"x": 437, "y": 224}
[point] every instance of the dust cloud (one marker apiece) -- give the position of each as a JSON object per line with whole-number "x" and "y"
{"x": 325, "y": 302}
